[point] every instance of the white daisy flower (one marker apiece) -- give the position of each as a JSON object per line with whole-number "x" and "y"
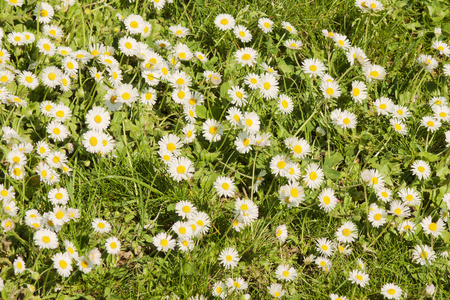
{"x": 314, "y": 176}
{"x": 347, "y": 233}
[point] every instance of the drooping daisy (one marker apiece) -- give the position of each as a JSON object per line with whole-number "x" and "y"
{"x": 281, "y": 233}
{"x": 428, "y": 62}
{"x": 236, "y": 284}
{"x": 289, "y": 27}
{"x": 219, "y": 289}
{"x": 442, "y": 47}
{"x": 293, "y": 44}
{"x": 314, "y": 176}
{"x": 347, "y": 233}
{"x": 374, "y": 72}
{"x": 407, "y": 226}
{"x": 229, "y": 258}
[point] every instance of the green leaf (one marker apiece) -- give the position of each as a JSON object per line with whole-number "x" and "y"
{"x": 332, "y": 160}
{"x": 224, "y": 89}
{"x": 201, "y": 111}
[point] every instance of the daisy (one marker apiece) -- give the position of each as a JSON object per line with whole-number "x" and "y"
{"x": 346, "y": 120}
{"x": 376, "y": 179}
{"x": 134, "y": 24}
{"x": 97, "y": 119}
{"x": 17, "y": 172}
{"x": 242, "y": 33}
{"x": 347, "y": 233}
{"x": 61, "y": 112}
{"x": 427, "y": 62}
{"x": 421, "y": 169}
{"x": 330, "y": 89}
{"x": 212, "y": 130}
{"x": 430, "y": 123}
{"x": 101, "y": 226}
{"x": 441, "y": 113}
{"x": 293, "y": 44}
{"x": 202, "y": 222}
{"x": 384, "y": 105}
{"x": 327, "y": 200}
{"x": 250, "y": 122}
{"x": 16, "y": 38}
{"x": 70, "y": 248}
{"x": 18, "y": 3}
{"x": 57, "y": 131}
{"x": 327, "y": 34}
{"x": 252, "y": 80}
{"x": 279, "y": 165}
{"x": 407, "y": 226}
{"x": 53, "y": 31}
{"x": 285, "y": 104}
{"x": 445, "y": 199}
{"x": 189, "y": 134}
{"x": 384, "y": 194}
{"x": 164, "y": 242}
{"x": 265, "y": 24}
{"x": 229, "y": 258}
{"x": 313, "y": 67}
{"x": 399, "y": 209}
{"x": 182, "y": 229}
{"x": 128, "y": 45}
{"x": 337, "y": 297}
{"x": 358, "y": 55}
{"x": 236, "y": 284}
{"x": 359, "y": 91}
{"x": 181, "y": 168}
{"x": 185, "y": 209}
{"x": 225, "y": 186}
{"x": 70, "y": 65}
{"x": 185, "y": 244}
{"x": 238, "y": 96}
{"x": 182, "y": 52}
{"x": 446, "y": 69}
{"x": 224, "y": 22}
{"x": 112, "y": 245}
{"x": 247, "y": 209}
{"x": 359, "y": 277}
{"x": 409, "y": 196}
{"x": 442, "y": 47}
{"x": 246, "y": 56}
{"x": 127, "y": 93}
{"x": 399, "y": 126}
{"x": 268, "y": 86}
{"x": 430, "y": 227}
{"x": 281, "y": 233}
{"x": 62, "y": 262}
{"x": 85, "y": 265}
{"x": 377, "y": 217}
{"x": 219, "y": 289}
{"x": 45, "y": 239}
{"x": 439, "y": 101}
{"x": 391, "y": 291}
{"x": 284, "y": 272}
{"x": 374, "y": 72}
{"x": 201, "y": 57}
{"x": 91, "y": 141}
{"x": 422, "y": 254}
{"x": 323, "y": 263}
{"x": 344, "y": 249}
{"x": 51, "y": 77}
{"x": 270, "y": 70}
{"x": 234, "y": 116}
{"x": 19, "y": 265}
{"x": 28, "y": 79}
{"x": 244, "y": 142}
{"x": 289, "y": 27}
{"x": 325, "y": 247}
{"x": 16, "y": 157}
{"x": 314, "y": 176}
{"x": 44, "y": 12}
{"x": 341, "y": 41}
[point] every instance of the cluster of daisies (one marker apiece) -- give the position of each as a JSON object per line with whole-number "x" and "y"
{"x": 194, "y": 223}
{"x": 163, "y": 66}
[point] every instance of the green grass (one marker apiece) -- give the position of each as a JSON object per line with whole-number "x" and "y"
{"x": 133, "y": 192}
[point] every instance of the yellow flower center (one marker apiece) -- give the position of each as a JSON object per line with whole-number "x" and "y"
{"x": 285, "y": 273}
{"x": 281, "y": 164}
{"x": 229, "y": 258}
{"x": 374, "y": 74}
{"x": 246, "y": 56}
{"x": 213, "y": 129}
{"x": 346, "y": 232}
{"x": 181, "y": 169}
{"x": 432, "y": 227}
{"x": 164, "y": 242}
{"x": 326, "y": 200}
{"x": 285, "y": 104}
{"x": 313, "y": 176}
{"x": 93, "y": 141}
{"x": 391, "y": 291}
{"x": 224, "y": 21}
{"x": 46, "y": 239}
{"x": 313, "y": 68}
